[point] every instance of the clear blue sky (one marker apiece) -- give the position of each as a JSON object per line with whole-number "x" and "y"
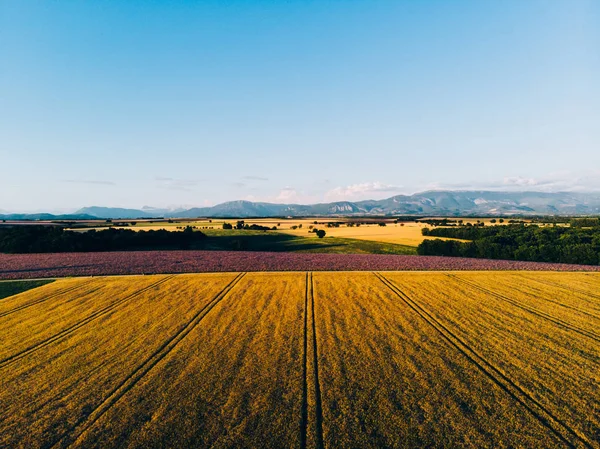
{"x": 132, "y": 103}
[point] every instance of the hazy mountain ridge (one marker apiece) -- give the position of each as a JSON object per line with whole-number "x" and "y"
{"x": 442, "y": 203}
{"x": 48, "y": 217}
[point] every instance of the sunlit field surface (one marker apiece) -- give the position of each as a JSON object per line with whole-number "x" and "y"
{"x": 408, "y": 234}
{"x": 303, "y": 359}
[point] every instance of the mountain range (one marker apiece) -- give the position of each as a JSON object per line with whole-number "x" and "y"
{"x": 438, "y": 203}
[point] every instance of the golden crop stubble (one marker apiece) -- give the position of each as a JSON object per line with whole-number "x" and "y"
{"x": 39, "y": 294}
{"x": 575, "y": 307}
{"x": 580, "y": 290}
{"x": 31, "y": 325}
{"x": 588, "y": 282}
{"x": 389, "y": 379}
{"x": 46, "y": 393}
{"x": 556, "y": 366}
{"x": 234, "y": 381}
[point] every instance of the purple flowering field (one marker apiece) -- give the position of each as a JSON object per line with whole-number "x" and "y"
{"x": 29, "y": 266}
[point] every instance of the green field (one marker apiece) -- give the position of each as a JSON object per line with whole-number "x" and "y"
{"x": 222, "y": 239}
{"x": 9, "y": 288}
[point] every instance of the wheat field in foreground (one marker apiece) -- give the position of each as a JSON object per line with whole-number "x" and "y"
{"x": 303, "y": 359}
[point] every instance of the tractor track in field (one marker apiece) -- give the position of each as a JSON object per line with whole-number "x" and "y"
{"x": 120, "y": 351}
{"x": 304, "y": 410}
{"x": 566, "y": 306}
{"x": 318, "y": 403}
{"x": 559, "y": 428}
{"x": 309, "y": 310}
{"x": 531, "y": 310}
{"x": 69, "y": 330}
{"x": 86, "y": 422}
{"x": 564, "y": 287}
{"x": 46, "y": 298}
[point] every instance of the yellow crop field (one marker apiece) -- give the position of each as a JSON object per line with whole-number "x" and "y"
{"x": 408, "y": 234}
{"x": 309, "y": 360}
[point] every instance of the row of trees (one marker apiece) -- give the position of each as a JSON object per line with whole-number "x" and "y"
{"x": 517, "y": 242}
{"x": 585, "y": 222}
{"x": 253, "y": 227}
{"x": 47, "y": 239}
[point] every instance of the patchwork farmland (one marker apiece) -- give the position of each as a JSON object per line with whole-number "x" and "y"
{"x": 303, "y": 359}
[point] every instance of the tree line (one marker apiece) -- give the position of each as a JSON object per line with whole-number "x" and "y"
{"x": 49, "y": 239}
{"x": 576, "y": 245}
{"x": 253, "y": 227}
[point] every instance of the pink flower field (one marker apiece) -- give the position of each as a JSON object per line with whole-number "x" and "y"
{"x": 29, "y": 266}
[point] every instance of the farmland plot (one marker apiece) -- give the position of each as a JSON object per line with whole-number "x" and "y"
{"x": 236, "y": 380}
{"x": 544, "y": 358}
{"x": 60, "y": 383}
{"x": 390, "y": 380}
{"x": 301, "y": 359}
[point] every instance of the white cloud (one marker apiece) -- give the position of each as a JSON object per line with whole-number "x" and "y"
{"x": 286, "y": 195}
{"x": 363, "y": 191}
{"x": 184, "y": 185}
{"x": 90, "y": 181}
{"x": 565, "y": 181}
{"x": 519, "y": 181}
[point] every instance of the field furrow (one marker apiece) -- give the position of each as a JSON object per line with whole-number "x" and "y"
{"x": 87, "y": 421}
{"x": 545, "y": 416}
{"x": 46, "y": 320}
{"x": 577, "y": 286}
{"x": 66, "y": 331}
{"x": 307, "y": 359}
{"x": 552, "y": 363}
{"x": 70, "y": 381}
{"x": 31, "y": 297}
{"x": 236, "y": 380}
{"x": 389, "y": 379}
{"x": 317, "y": 406}
{"x": 305, "y": 368}
{"x": 71, "y": 292}
{"x": 580, "y": 310}
{"x": 522, "y": 304}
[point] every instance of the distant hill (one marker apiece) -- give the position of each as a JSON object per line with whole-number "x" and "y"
{"x": 443, "y": 203}
{"x": 47, "y": 217}
{"x": 440, "y": 203}
{"x": 116, "y": 212}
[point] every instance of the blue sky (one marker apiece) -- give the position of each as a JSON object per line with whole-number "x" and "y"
{"x": 193, "y": 103}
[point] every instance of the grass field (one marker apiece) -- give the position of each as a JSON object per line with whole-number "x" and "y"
{"x": 10, "y": 288}
{"x": 301, "y": 243}
{"x": 303, "y": 359}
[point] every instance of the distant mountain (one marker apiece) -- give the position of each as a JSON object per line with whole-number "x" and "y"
{"x": 159, "y": 212}
{"x": 117, "y": 212}
{"x": 438, "y": 203}
{"x": 443, "y": 203}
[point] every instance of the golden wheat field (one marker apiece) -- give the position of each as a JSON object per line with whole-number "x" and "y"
{"x": 408, "y": 234}
{"x": 309, "y": 360}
